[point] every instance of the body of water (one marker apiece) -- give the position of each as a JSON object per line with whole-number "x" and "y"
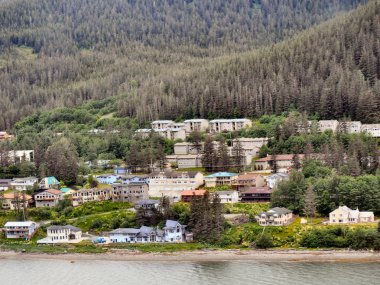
{"x": 83, "y": 272}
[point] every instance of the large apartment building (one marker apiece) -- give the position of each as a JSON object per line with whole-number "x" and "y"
{"x": 88, "y": 195}
{"x": 132, "y": 192}
{"x": 229, "y": 125}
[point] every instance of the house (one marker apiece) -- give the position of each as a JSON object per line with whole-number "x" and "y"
{"x": 20, "y": 230}
{"x": 131, "y": 192}
{"x": 48, "y": 198}
{"x": 227, "y": 197}
{"x": 372, "y": 129}
{"x": 62, "y": 234}
{"x": 142, "y": 235}
{"x": 12, "y": 201}
{"x": 147, "y": 204}
{"x": 82, "y": 196}
{"x": 273, "y": 179}
{"x": 200, "y": 125}
{"x": 22, "y": 184}
{"x": 108, "y": 179}
{"x": 162, "y": 124}
{"x": 284, "y": 162}
{"x": 325, "y": 125}
{"x": 5, "y": 184}
{"x": 248, "y": 180}
{"x": 219, "y": 179}
{"x": 275, "y": 217}
{"x": 171, "y": 184}
{"x": 188, "y": 195}
{"x": 344, "y": 215}
{"x": 256, "y": 194}
{"x": 229, "y": 125}
{"x": 174, "y": 232}
{"x": 49, "y": 183}
{"x": 4, "y": 136}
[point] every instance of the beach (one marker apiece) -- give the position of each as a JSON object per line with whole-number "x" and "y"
{"x": 210, "y": 255}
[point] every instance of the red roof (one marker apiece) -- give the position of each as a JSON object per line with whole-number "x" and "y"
{"x": 19, "y": 196}
{"x": 279, "y": 157}
{"x": 248, "y": 176}
{"x": 258, "y": 190}
{"x": 53, "y": 191}
{"x": 193, "y": 192}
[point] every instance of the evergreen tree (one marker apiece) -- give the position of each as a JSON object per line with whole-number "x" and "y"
{"x": 209, "y": 155}
{"x": 223, "y": 158}
{"x": 310, "y": 203}
{"x": 238, "y": 155}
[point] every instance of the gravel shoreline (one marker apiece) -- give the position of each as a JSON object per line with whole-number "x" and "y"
{"x": 210, "y": 255}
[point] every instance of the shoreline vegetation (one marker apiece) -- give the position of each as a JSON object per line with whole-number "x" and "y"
{"x": 209, "y": 255}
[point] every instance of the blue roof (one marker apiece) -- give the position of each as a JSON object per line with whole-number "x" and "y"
{"x": 52, "y": 180}
{"x": 65, "y": 189}
{"x": 222, "y": 174}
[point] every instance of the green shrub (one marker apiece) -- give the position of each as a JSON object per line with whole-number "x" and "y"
{"x": 264, "y": 241}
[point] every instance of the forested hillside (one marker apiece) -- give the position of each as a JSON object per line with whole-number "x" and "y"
{"x": 62, "y": 53}
{"x": 332, "y": 70}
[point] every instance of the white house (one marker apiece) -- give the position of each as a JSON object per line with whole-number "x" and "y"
{"x": 48, "y": 198}
{"x": 62, "y": 234}
{"x": 17, "y": 156}
{"x": 142, "y": 235}
{"x": 4, "y": 184}
{"x": 275, "y": 217}
{"x": 344, "y": 215}
{"x": 21, "y": 230}
{"x": 174, "y": 232}
{"x": 227, "y": 197}
{"x": 49, "y": 183}
{"x": 22, "y": 184}
{"x": 273, "y": 179}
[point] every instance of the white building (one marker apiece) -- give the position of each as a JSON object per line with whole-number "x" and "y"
{"x": 351, "y": 127}
{"x": 174, "y": 232}
{"x": 227, "y": 197}
{"x": 62, "y": 234}
{"x": 229, "y": 125}
{"x": 22, "y": 184}
{"x": 48, "y": 198}
{"x": 344, "y": 215}
{"x": 200, "y": 125}
{"x": 20, "y": 230}
{"x": 328, "y": 125}
{"x": 275, "y": 217}
{"x": 17, "y": 156}
{"x": 372, "y": 129}
{"x": 162, "y": 124}
{"x": 142, "y": 235}
{"x": 171, "y": 184}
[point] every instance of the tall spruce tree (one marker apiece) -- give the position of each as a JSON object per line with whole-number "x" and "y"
{"x": 209, "y": 155}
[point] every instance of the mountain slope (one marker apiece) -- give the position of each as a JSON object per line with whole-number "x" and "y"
{"x": 332, "y": 70}
{"x": 62, "y": 53}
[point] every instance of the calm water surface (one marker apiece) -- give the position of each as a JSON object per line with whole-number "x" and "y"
{"x": 60, "y": 272}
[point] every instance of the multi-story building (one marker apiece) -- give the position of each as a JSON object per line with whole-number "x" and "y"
{"x": 184, "y": 148}
{"x": 147, "y": 204}
{"x": 248, "y": 180}
{"x": 20, "y": 230}
{"x": 188, "y": 195}
{"x": 227, "y": 197}
{"x": 108, "y": 178}
{"x": 351, "y": 127}
{"x": 272, "y": 180}
{"x": 284, "y": 162}
{"x": 171, "y": 184}
{"x": 5, "y": 184}
{"x": 275, "y": 217}
{"x": 89, "y": 195}
{"x": 325, "y": 125}
{"x": 256, "y": 194}
{"x": 372, "y": 129}
{"x": 344, "y": 215}
{"x": 185, "y": 160}
{"x": 162, "y": 124}
{"x": 48, "y": 198}
{"x": 131, "y": 192}
{"x": 12, "y": 201}
{"x": 200, "y": 125}
{"x": 62, "y": 234}
{"x": 229, "y": 125}
{"x": 17, "y": 156}
{"x": 174, "y": 232}
{"x": 220, "y": 179}
{"x": 22, "y": 184}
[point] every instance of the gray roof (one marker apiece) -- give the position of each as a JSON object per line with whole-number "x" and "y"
{"x": 67, "y": 227}
{"x": 147, "y": 202}
{"x": 172, "y": 224}
{"x": 125, "y": 231}
{"x": 276, "y": 211}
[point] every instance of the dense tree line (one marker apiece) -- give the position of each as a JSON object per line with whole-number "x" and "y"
{"x": 63, "y": 53}
{"x": 331, "y": 70}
